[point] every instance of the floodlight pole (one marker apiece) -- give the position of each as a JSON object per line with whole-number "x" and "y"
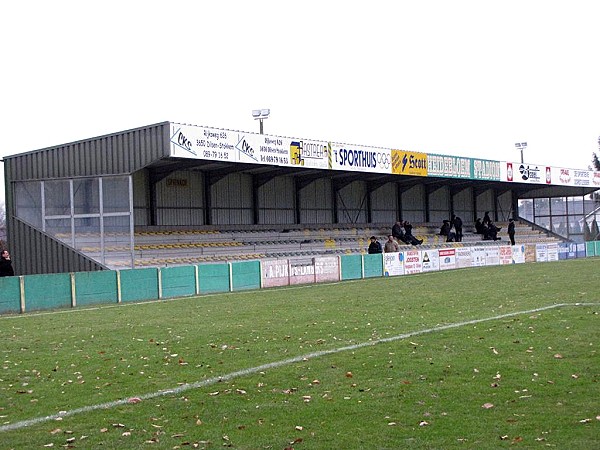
{"x": 260, "y": 115}
{"x": 521, "y": 146}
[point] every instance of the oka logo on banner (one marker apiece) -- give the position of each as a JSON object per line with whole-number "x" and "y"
{"x": 244, "y": 148}
{"x": 180, "y": 140}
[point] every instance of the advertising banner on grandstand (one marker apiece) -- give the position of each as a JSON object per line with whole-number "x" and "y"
{"x": 478, "y": 256}
{"x": 518, "y": 254}
{"x": 189, "y": 141}
{"x": 464, "y": 257}
{"x": 302, "y": 271}
{"x": 409, "y": 163}
{"x": 563, "y": 250}
{"x": 529, "y": 253}
{"x": 362, "y": 159}
{"x": 448, "y": 166}
{"x": 327, "y": 268}
{"x": 492, "y": 256}
{"x": 447, "y": 258}
{"x": 505, "y": 254}
{"x": 483, "y": 169}
{"x": 393, "y": 264}
{"x": 430, "y": 260}
{"x": 527, "y": 173}
{"x": 552, "y": 250}
{"x": 541, "y": 253}
{"x": 310, "y": 154}
{"x": 412, "y": 262}
{"x": 574, "y": 177}
{"x": 275, "y": 272}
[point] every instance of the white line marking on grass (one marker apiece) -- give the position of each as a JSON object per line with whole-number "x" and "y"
{"x": 252, "y": 370}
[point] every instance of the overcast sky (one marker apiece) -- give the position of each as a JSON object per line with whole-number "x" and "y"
{"x": 466, "y": 78}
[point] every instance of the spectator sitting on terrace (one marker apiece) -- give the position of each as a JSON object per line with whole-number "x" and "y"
{"x": 410, "y": 239}
{"x": 445, "y": 228}
{"x": 374, "y": 246}
{"x": 391, "y": 246}
{"x": 478, "y": 226}
{"x": 490, "y": 232}
{"x": 398, "y": 232}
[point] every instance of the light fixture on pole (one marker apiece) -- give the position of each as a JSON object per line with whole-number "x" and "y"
{"x": 260, "y": 115}
{"x": 521, "y": 146}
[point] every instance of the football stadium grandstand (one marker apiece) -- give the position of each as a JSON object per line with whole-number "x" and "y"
{"x": 173, "y": 194}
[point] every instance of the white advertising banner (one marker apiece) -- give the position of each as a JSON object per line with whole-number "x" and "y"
{"x": 189, "y": 141}
{"x": 478, "y": 256}
{"x": 492, "y": 256}
{"x": 518, "y": 254}
{"x": 526, "y": 173}
{"x": 552, "y": 250}
{"x": 447, "y": 258}
{"x": 275, "y": 272}
{"x": 302, "y": 271}
{"x": 412, "y": 262}
{"x": 505, "y": 254}
{"x": 215, "y": 144}
{"x": 541, "y": 253}
{"x": 464, "y": 257}
{"x": 363, "y": 159}
{"x": 327, "y": 268}
{"x": 430, "y": 260}
{"x": 393, "y": 264}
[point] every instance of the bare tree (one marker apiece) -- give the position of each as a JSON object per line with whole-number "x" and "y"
{"x": 595, "y": 160}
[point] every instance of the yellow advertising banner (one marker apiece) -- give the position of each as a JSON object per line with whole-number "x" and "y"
{"x": 409, "y": 163}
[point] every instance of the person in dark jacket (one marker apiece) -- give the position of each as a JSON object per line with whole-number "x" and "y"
{"x": 478, "y": 226}
{"x": 374, "y": 246}
{"x": 398, "y": 232}
{"x": 6, "y": 268}
{"x": 410, "y": 239}
{"x": 458, "y": 227}
{"x": 511, "y": 230}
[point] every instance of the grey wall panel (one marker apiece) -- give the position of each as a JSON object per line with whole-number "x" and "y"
{"x": 439, "y": 205}
{"x": 316, "y": 202}
{"x": 141, "y": 198}
{"x": 463, "y": 205}
{"x": 352, "y": 204}
{"x": 485, "y": 202}
{"x": 34, "y": 252}
{"x": 276, "y": 201}
{"x": 413, "y": 204}
{"x": 232, "y": 201}
{"x": 384, "y": 201}
{"x": 180, "y": 199}
{"x": 505, "y": 206}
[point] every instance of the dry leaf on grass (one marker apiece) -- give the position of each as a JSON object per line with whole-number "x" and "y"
{"x": 487, "y": 405}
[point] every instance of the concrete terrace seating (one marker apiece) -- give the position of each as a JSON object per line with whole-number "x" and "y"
{"x": 170, "y": 246}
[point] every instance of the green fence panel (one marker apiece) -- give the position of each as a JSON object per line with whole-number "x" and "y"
{"x": 95, "y": 287}
{"x": 47, "y": 291}
{"x": 10, "y": 295}
{"x": 590, "y": 248}
{"x": 597, "y": 247}
{"x": 245, "y": 275}
{"x": 139, "y": 284}
{"x": 351, "y": 267}
{"x": 213, "y": 278}
{"x": 374, "y": 265}
{"x": 178, "y": 281}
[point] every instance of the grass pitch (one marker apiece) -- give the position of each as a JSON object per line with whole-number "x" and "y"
{"x": 374, "y": 363}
